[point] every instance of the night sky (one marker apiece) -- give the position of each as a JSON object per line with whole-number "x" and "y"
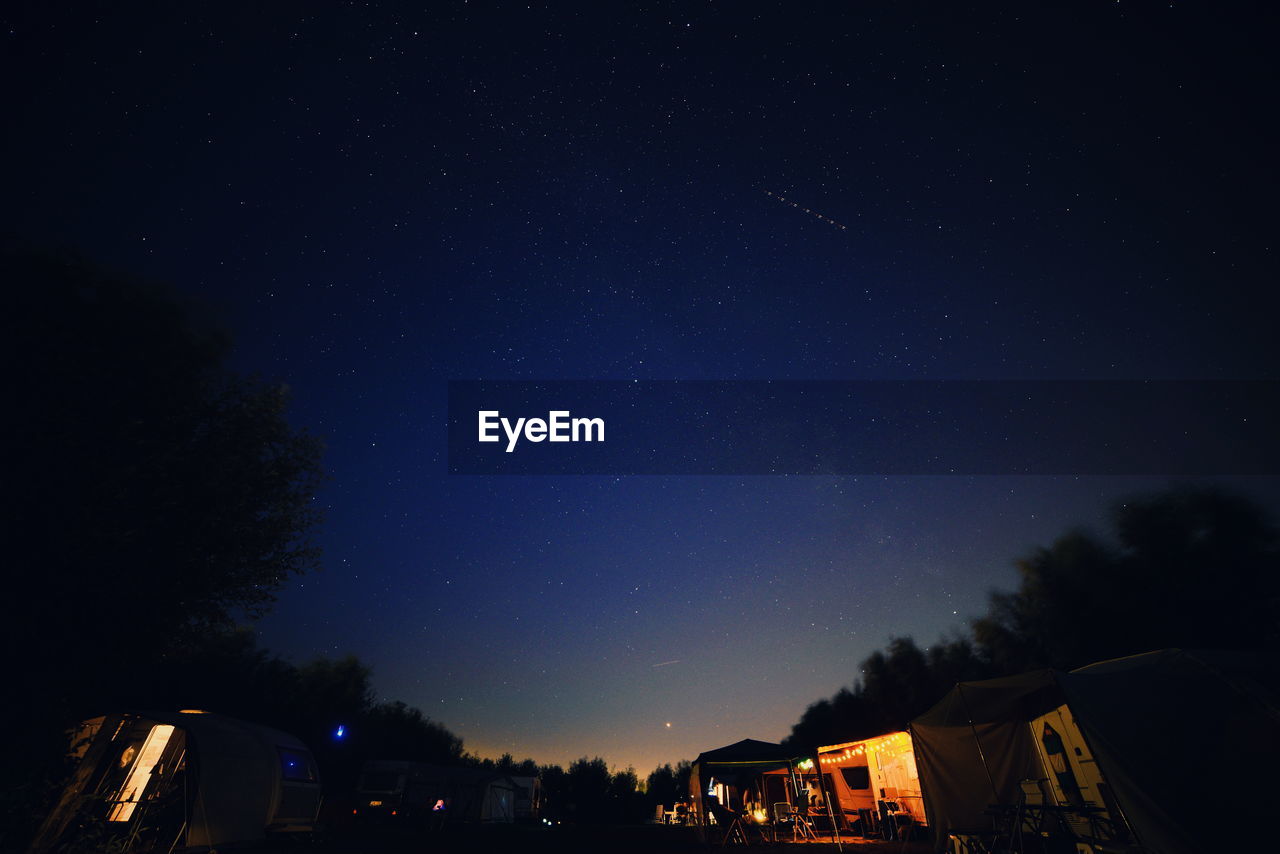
{"x": 380, "y": 198}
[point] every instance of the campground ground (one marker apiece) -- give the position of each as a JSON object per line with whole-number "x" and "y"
{"x": 627, "y": 839}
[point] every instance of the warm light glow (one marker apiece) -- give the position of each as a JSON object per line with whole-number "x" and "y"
{"x": 140, "y": 774}
{"x": 760, "y": 816}
{"x": 192, "y": 712}
{"x": 882, "y": 746}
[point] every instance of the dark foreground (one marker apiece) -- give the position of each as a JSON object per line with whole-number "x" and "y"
{"x": 530, "y": 839}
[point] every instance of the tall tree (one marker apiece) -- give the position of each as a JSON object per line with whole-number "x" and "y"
{"x": 555, "y": 793}
{"x": 1187, "y": 567}
{"x": 667, "y": 785}
{"x": 1190, "y": 566}
{"x": 160, "y": 493}
{"x": 152, "y": 494}
{"x": 588, "y": 791}
{"x": 660, "y": 786}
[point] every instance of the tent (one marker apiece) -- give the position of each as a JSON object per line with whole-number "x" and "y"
{"x": 732, "y": 768}
{"x": 413, "y": 789}
{"x": 528, "y": 797}
{"x": 182, "y": 780}
{"x": 1180, "y": 747}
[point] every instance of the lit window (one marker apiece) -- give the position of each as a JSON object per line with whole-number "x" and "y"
{"x": 140, "y": 774}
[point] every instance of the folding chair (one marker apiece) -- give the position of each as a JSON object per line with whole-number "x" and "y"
{"x": 785, "y": 813}
{"x": 734, "y": 830}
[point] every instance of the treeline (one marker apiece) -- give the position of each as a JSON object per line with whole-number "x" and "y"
{"x": 158, "y": 498}
{"x": 231, "y": 675}
{"x": 589, "y": 793}
{"x": 1190, "y": 567}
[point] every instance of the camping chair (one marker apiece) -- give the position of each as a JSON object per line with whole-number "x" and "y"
{"x": 888, "y": 819}
{"x": 965, "y": 842}
{"x": 734, "y": 829}
{"x": 1032, "y": 798}
{"x": 1037, "y": 824}
{"x": 785, "y": 813}
{"x": 1086, "y": 824}
{"x": 868, "y": 823}
{"x": 904, "y": 825}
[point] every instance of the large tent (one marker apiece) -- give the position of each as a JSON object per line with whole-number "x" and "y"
{"x": 183, "y": 780}
{"x": 737, "y": 765}
{"x": 1182, "y": 747}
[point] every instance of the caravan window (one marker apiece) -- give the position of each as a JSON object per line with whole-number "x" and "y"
{"x": 297, "y": 765}
{"x": 857, "y": 777}
{"x": 142, "y": 765}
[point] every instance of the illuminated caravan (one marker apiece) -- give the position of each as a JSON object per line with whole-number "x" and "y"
{"x": 188, "y": 780}
{"x": 876, "y": 783}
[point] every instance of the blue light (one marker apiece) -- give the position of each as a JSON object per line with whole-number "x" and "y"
{"x": 340, "y": 732}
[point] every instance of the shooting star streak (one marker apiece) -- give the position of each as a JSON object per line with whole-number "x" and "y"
{"x": 665, "y": 663}
{"x": 828, "y": 220}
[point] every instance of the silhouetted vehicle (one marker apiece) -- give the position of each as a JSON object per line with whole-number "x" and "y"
{"x": 419, "y": 792}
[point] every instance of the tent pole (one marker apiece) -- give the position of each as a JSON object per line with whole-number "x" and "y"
{"x": 995, "y": 796}
{"x": 696, "y": 805}
{"x": 826, "y": 798}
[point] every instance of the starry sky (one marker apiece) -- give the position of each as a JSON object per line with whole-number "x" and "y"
{"x": 378, "y": 198}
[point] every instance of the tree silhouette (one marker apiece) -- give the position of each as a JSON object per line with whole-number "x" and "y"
{"x": 507, "y": 764}
{"x": 660, "y": 785}
{"x": 555, "y": 793}
{"x": 667, "y": 785}
{"x": 626, "y": 802}
{"x": 1190, "y": 566}
{"x": 1187, "y": 567}
{"x": 588, "y": 791}
{"x": 894, "y": 686}
{"x": 162, "y": 494}
{"x": 153, "y": 495}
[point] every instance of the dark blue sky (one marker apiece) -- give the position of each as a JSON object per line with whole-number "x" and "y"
{"x": 379, "y": 198}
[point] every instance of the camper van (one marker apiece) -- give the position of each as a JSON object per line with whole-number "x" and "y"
{"x": 402, "y": 791}
{"x": 171, "y": 781}
{"x": 876, "y": 783}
